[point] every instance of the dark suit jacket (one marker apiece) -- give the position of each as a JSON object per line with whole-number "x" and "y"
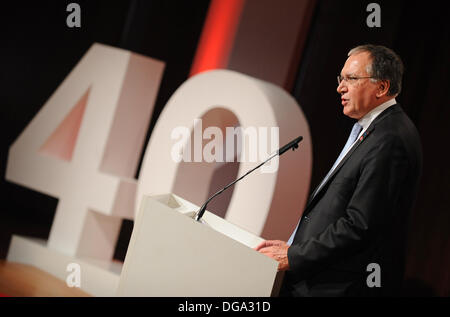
{"x": 359, "y": 216}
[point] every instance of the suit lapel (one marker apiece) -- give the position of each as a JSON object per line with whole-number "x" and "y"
{"x": 369, "y": 130}
{"x": 338, "y": 167}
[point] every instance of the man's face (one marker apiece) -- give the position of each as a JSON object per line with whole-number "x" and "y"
{"x": 358, "y": 96}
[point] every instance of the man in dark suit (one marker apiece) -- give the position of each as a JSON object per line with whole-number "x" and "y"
{"x": 354, "y": 223}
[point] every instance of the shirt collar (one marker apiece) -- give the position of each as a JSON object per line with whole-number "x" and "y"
{"x": 370, "y": 116}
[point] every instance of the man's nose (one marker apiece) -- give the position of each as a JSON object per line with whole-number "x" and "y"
{"x": 341, "y": 87}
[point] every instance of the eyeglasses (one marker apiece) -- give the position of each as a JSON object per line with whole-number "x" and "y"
{"x": 349, "y": 79}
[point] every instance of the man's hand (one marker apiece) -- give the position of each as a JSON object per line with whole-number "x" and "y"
{"x": 277, "y": 250}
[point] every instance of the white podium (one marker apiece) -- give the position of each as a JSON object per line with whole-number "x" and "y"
{"x": 171, "y": 254}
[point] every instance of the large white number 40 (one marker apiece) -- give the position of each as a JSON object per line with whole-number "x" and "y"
{"x": 84, "y": 145}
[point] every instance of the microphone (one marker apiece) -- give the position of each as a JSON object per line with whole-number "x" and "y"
{"x": 291, "y": 145}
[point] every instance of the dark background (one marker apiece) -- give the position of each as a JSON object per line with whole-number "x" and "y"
{"x": 38, "y": 50}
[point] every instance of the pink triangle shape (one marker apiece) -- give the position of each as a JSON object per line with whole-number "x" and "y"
{"x": 62, "y": 141}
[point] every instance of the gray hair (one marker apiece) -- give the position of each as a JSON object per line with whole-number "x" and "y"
{"x": 386, "y": 65}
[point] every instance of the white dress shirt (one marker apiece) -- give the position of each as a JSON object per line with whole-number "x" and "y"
{"x": 370, "y": 116}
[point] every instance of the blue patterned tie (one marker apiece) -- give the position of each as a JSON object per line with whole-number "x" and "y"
{"x": 351, "y": 139}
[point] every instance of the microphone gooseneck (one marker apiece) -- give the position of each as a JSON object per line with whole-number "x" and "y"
{"x": 291, "y": 145}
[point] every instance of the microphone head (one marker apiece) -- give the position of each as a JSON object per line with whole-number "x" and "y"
{"x": 293, "y": 144}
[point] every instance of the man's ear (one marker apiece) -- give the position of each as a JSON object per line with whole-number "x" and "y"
{"x": 383, "y": 88}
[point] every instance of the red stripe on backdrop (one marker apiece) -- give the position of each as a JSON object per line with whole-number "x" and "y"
{"x": 217, "y": 36}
